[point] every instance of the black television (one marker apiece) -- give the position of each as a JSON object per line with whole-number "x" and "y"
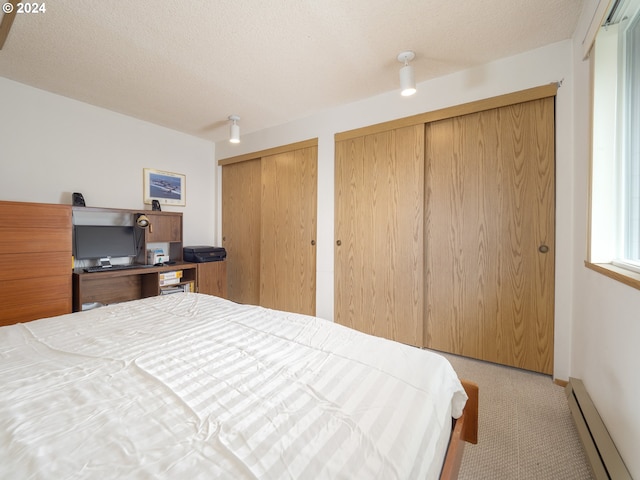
{"x": 101, "y": 241}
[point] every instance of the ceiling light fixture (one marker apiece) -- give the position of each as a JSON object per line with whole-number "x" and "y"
{"x": 234, "y": 136}
{"x": 407, "y": 81}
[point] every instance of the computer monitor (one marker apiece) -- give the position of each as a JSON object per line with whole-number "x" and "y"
{"x": 101, "y": 241}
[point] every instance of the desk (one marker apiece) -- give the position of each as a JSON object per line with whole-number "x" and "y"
{"x": 123, "y": 285}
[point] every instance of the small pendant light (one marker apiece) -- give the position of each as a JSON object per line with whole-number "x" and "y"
{"x": 234, "y": 136}
{"x": 407, "y": 81}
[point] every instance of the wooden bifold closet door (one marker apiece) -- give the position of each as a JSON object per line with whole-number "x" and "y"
{"x": 490, "y": 234}
{"x": 269, "y": 208}
{"x": 379, "y": 234}
{"x": 241, "y": 190}
{"x": 288, "y": 225}
{"x": 445, "y": 234}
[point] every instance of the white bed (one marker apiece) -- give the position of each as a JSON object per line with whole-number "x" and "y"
{"x": 193, "y": 386}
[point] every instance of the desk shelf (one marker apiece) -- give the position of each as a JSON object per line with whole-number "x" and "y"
{"x": 124, "y": 285}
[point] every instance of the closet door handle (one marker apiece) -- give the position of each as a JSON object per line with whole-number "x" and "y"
{"x": 339, "y": 242}
{"x": 543, "y": 248}
{"x": 313, "y": 242}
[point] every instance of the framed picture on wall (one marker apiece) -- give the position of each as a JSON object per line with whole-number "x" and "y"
{"x": 165, "y": 187}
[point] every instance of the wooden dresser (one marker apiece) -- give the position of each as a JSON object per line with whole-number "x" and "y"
{"x": 35, "y": 261}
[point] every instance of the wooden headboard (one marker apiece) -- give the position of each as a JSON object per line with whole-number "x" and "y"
{"x": 35, "y": 261}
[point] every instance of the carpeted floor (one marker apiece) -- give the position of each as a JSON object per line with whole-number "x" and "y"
{"x": 526, "y": 430}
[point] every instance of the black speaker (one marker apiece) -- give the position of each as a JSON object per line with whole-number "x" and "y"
{"x": 155, "y": 205}
{"x": 78, "y": 200}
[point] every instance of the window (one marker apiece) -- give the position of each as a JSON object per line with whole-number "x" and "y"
{"x": 615, "y": 195}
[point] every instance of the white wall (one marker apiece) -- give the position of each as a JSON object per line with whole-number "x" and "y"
{"x": 51, "y": 146}
{"x": 606, "y": 320}
{"x": 539, "y": 67}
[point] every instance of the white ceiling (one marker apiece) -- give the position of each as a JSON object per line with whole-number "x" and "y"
{"x": 189, "y": 64}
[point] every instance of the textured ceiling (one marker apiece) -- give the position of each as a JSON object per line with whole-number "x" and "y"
{"x": 189, "y": 64}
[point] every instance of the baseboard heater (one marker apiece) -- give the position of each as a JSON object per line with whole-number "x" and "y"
{"x": 606, "y": 463}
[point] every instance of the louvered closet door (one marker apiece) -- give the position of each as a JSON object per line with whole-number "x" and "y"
{"x": 241, "y": 187}
{"x": 379, "y": 234}
{"x": 288, "y": 226}
{"x": 489, "y": 235}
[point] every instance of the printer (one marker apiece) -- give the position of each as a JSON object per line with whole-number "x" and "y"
{"x": 203, "y": 253}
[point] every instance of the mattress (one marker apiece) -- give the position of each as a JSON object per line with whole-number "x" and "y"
{"x": 197, "y": 387}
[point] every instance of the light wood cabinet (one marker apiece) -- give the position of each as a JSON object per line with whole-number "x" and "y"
{"x": 35, "y": 261}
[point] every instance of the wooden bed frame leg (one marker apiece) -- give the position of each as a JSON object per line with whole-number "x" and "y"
{"x": 464, "y": 430}
{"x": 470, "y": 433}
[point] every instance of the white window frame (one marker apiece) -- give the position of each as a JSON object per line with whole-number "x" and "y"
{"x": 614, "y": 225}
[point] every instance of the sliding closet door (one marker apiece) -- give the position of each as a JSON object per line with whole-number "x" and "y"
{"x": 489, "y": 235}
{"x": 288, "y": 225}
{"x": 379, "y": 234}
{"x": 241, "y": 186}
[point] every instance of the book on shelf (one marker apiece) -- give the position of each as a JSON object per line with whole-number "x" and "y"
{"x": 185, "y": 287}
{"x": 169, "y": 281}
{"x": 170, "y": 275}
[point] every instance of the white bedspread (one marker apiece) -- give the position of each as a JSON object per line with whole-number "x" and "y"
{"x": 190, "y": 386}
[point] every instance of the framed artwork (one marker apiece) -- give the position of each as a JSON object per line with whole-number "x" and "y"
{"x": 165, "y": 187}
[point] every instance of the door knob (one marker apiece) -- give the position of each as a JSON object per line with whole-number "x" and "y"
{"x": 338, "y": 243}
{"x": 313, "y": 242}
{"x": 543, "y": 248}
